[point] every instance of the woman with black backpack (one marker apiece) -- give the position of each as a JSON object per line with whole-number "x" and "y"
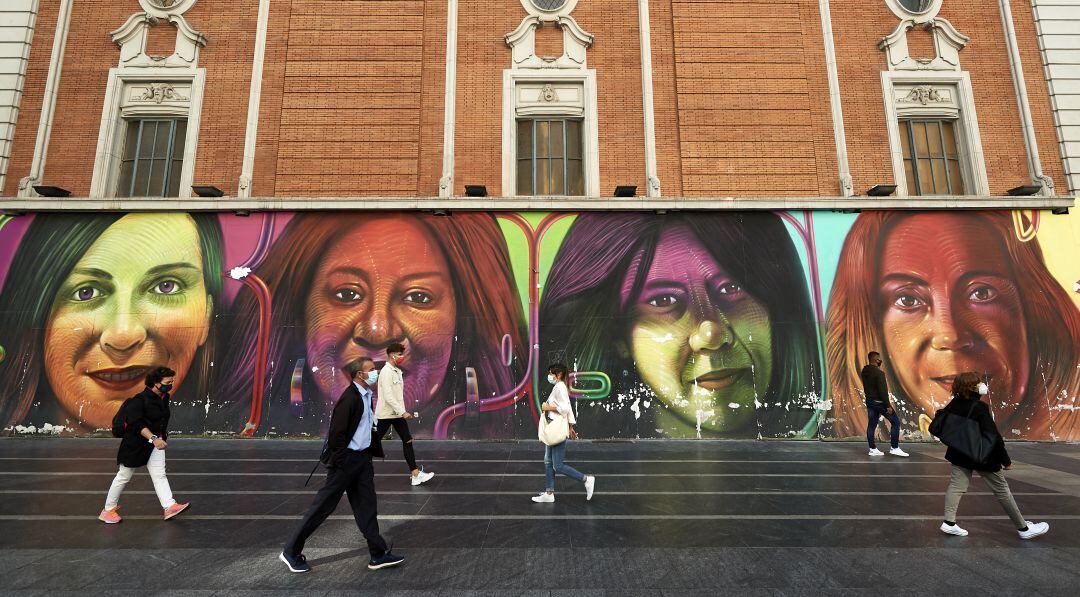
{"x": 143, "y": 423}
{"x": 967, "y": 392}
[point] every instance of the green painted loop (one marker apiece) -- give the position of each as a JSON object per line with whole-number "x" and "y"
{"x": 590, "y": 393}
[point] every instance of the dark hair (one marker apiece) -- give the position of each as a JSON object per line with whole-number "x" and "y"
{"x": 870, "y": 356}
{"x": 558, "y": 370}
{"x": 488, "y": 306}
{"x": 157, "y": 374}
{"x": 351, "y": 369}
{"x": 48, "y": 251}
{"x": 966, "y": 384}
{"x": 395, "y": 348}
{"x": 581, "y": 313}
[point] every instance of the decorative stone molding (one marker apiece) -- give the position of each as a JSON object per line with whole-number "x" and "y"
{"x": 132, "y": 36}
{"x": 145, "y": 86}
{"x": 536, "y": 86}
{"x": 947, "y": 45}
{"x": 924, "y": 94}
{"x": 522, "y": 42}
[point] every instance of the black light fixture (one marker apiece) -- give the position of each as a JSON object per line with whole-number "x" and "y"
{"x": 207, "y": 191}
{"x": 881, "y": 190}
{"x": 475, "y": 190}
{"x": 243, "y": 213}
{"x": 50, "y": 191}
{"x": 1024, "y": 190}
{"x": 1060, "y": 211}
{"x": 441, "y": 212}
{"x": 625, "y": 190}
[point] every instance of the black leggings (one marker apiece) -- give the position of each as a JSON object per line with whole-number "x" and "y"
{"x": 401, "y": 428}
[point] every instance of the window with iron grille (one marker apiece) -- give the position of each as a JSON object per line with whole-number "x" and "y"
{"x": 549, "y": 157}
{"x": 931, "y": 160}
{"x": 153, "y": 158}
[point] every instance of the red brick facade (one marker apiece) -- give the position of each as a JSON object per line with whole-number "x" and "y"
{"x": 353, "y": 94}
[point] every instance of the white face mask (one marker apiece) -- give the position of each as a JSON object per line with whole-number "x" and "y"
{"x": 984, "y": 389}
{"x": 551, "y": 379}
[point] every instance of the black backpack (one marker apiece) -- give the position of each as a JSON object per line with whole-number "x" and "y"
{"x": 119, "y": 421}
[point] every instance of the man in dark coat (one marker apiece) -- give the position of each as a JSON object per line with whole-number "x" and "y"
{"x": 146, "y": 427}
{"x": 350, "y": 446}
{"x": 876, "y": 392}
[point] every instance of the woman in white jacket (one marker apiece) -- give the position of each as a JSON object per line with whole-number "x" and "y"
{"x": 558, "y": 403}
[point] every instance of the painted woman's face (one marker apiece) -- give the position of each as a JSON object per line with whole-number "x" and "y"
{"x": 385, "y": 281}
{"x": 950, "y": 304}
{"x": 699, "y": 340}
{"x": 137, "y": 299}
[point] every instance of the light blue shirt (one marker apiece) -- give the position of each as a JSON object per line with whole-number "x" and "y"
{"x": 362, "y": 438}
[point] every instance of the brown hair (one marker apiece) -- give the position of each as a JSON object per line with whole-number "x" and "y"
{"x": 853, "y": 324}
{"x": 966, "y": 384}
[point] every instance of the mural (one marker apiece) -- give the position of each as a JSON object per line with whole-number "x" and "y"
{"x": 699, "y": 325}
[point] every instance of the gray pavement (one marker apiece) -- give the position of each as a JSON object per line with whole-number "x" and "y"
{"x": 668, "y": 518}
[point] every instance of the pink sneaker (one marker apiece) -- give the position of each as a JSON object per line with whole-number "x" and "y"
{"x": 175, "y": 509}
{"x": 110, "y": 516}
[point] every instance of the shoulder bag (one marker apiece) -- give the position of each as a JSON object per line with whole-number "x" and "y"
{"x": 553, "y": 433}
{"x": 963, "y": 434}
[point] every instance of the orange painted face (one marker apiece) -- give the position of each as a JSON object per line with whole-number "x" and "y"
{"x": 386, "y": 281}
{"x": 136, "y": 299}
{"x": 949, "y": 303}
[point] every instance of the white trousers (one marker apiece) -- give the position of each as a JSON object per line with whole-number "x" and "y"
{"x": 156, "y": 468}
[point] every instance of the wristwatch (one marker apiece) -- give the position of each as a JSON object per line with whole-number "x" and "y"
{"x": 154, "y": 438}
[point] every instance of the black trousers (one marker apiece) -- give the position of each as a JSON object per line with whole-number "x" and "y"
{"x": 355, "y": 477}
{"x": 401, "y": 428}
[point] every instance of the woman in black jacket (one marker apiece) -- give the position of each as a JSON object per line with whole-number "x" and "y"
{"x": 966, "y": 402}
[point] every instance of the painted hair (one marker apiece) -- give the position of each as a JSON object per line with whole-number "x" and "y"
{"x": 582, "y": 315}
{"x": 487, "y": 300}
{"x": 854, "y": 321}
{"x": 51, "y": 247}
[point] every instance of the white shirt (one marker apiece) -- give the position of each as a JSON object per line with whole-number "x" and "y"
{"x": 391, "y": 388}
{"x": 560, "y": 399}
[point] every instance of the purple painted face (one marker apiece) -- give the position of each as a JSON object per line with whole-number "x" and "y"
{"x": 699, "y": 340}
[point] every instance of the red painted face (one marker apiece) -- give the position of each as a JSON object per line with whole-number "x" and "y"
{"x": 386, "y": 281}
{"x": 949, "y": 303}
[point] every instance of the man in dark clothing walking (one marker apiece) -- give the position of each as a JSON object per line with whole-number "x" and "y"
{"x": 350, "y": 446}
{"x": 146, "y": 427}
{"x": 876, "y": 392}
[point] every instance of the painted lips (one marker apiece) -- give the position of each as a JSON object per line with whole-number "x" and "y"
{"x": 119, "y": 379}
{"x": 720, "y": 378}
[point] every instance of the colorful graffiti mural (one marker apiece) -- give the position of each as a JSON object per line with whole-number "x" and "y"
{"x": 711, "y": 325}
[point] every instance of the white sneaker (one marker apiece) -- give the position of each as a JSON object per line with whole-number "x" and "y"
{"x": 544, "y": 498}
{"x": 876, "y": 452}
{"x": 1034, "y": 530}
{"x": 953, "y": 530}
{"x": 422, "y": 477}
{"x": 590, "y": 484}
{"x": 898, "y": 452}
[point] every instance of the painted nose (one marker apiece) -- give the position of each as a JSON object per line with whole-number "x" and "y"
{"x": 123, "y": 335}
{"x": 710, "y": 335}
{"x": 946, "y": 334}
{"x": 377, "y": 330}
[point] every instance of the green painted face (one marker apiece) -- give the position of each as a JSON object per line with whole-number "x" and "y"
{"x": 136, "y": 299}
{"x": 699, "y": 340}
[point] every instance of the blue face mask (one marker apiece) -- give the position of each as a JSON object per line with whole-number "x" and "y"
{"x": 551, "y": 379}
{"x": 166, "y": 387}
{"x": 372, "y": 377}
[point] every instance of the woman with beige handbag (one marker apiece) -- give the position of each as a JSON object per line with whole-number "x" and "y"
{"x": 556, "y": 427}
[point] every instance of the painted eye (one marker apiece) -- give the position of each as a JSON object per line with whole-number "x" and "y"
{"x": 86, "y": 293}
{"x": 908, "y": 301}
{"x": 730, "y": 288}
{"x": 418, "y": 297}
{"x": 664, "y": 300}
{"x": 982, "y": 294}
{"x": 347, "y": 295}
{"x": 166, "y": 287}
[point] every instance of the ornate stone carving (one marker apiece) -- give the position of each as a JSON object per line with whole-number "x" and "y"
{"x": 923, "y": 95}
{"x": 548, "y": 95}
{"x": 160, "y": 92}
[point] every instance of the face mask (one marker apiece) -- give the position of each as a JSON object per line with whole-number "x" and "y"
{"x": 372, "y": 377}
{"x": 551, "y": 379}
{"x": 165, "y": 387}
{"x": 399, "y": 360}
{"x": 984, "y": 389}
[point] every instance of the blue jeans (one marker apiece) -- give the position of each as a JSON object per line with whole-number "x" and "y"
{"x": 553, "y": 463}
{"x": 874, "y": 413}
